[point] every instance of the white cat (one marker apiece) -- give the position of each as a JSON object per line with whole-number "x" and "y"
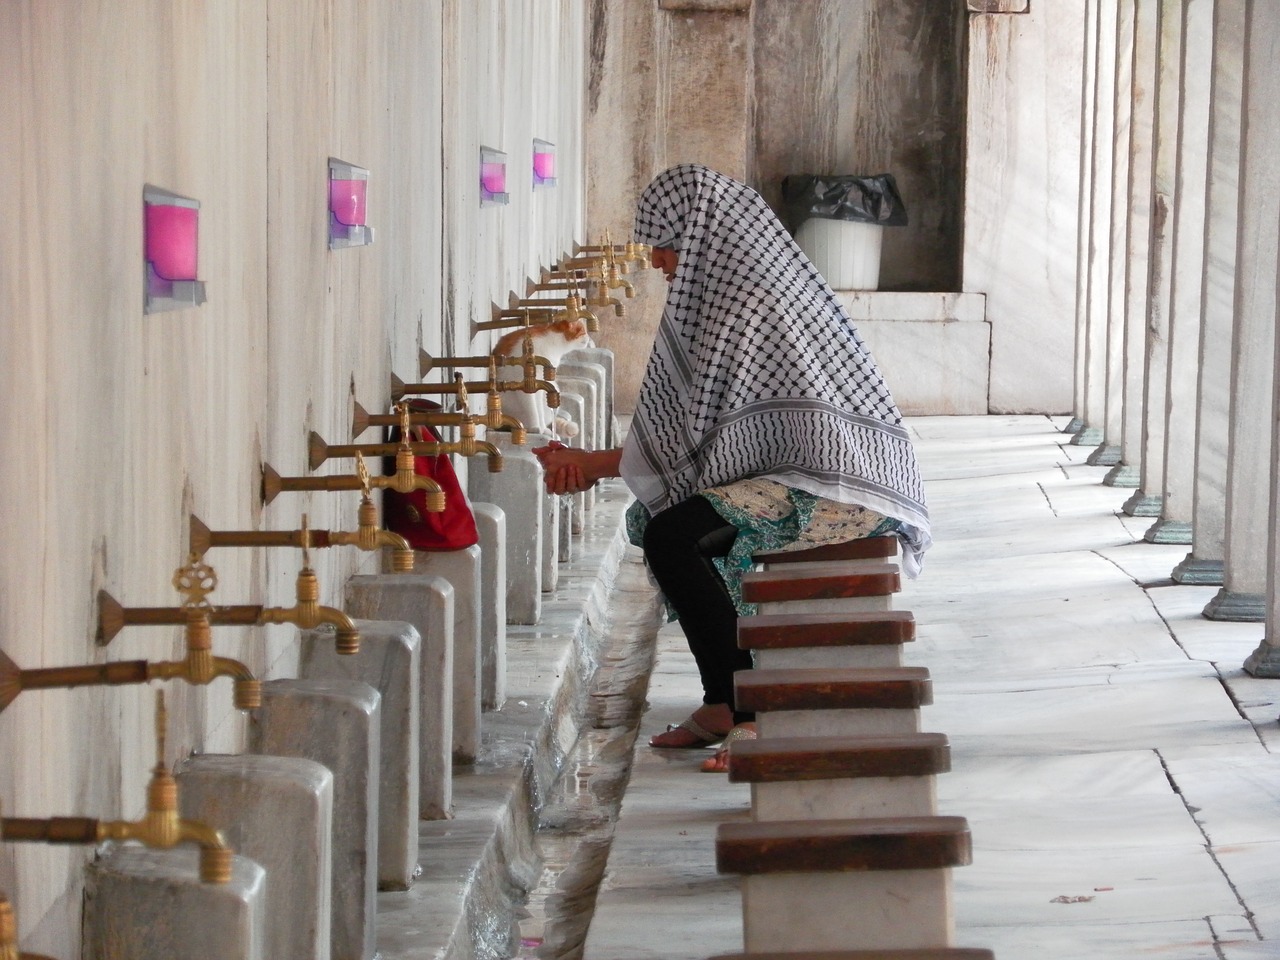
{"x": 550, "y": 341}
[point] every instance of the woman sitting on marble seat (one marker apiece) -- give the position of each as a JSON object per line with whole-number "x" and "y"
{"x": 762, "y": 423}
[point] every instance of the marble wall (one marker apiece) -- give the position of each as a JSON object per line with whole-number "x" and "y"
{"x": 119, "y": 425}
{"x": 952, "y": 99}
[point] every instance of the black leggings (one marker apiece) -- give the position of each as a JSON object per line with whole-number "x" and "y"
{"x": 679, "y": 544}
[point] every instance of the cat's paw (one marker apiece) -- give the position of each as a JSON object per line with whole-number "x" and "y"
{"x": 565, "y": 428}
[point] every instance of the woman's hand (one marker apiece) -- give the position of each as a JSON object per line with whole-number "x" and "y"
{"x": 565, "y": 469}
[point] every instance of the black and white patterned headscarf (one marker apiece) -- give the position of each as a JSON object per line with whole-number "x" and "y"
{"x": 757, "y": 370}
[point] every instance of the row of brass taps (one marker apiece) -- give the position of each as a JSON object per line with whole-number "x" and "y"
{"x": 161, "y": 827}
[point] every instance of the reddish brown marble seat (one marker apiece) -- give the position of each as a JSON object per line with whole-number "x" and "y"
{"x": 788, "y": 759}
{"x": 892, "y": 688}
{"x": 803, "y": 846}
{"x": 942, "y": 953}
{"x": 780, "y": 631}
{"x": 772, "y": 586}
{"x": 867, "y": 548}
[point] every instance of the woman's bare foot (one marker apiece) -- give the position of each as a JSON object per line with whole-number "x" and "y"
{"x": 719, "y": 761}
{"x": 705, "y": 726}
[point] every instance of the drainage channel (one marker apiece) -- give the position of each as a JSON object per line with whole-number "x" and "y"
{"x": 576, "y": 824}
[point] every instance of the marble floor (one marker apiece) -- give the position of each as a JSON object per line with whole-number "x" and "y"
{"x": 1112, "y": 758}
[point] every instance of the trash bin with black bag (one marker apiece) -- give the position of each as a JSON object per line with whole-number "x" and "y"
{"x": 838, "y": 222}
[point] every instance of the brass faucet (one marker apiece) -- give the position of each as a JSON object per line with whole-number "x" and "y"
{"x": 493, "y": 418}
{"x": 600, "y": 297}
{"x": 403, "y": 480}
{"x": 570, "y": 308}
{"x": 466, "y": 445}
{"x": 369, "y": 536}
{"x": 9, "y": 935}
{"x": 307, "y": 614}
{"x": 427, "y": 363}
{"x": 200, "y": 667}
{"x": 614, "y": 280}
{"x": 161, "y": 827}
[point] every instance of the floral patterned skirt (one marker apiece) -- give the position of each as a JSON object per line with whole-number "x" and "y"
{"x": 771, "y": 516}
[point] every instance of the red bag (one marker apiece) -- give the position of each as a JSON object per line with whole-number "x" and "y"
{"x": 406, "y": 513}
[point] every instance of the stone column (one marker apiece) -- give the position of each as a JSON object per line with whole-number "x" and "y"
{"x": 1243, "y": 595}
{"x": 1146, "y": 500}
{"x": 1146, "y": 45}
{"x": 1204, "y": 564}
{"x": 1091, "y": 326}
{"x": 1187, "y": 280}
{"x": 1265, "y": 661}
{"x": 1120, "y": 26}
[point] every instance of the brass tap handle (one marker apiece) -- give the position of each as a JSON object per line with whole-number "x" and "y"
{"x": 403, "y": 410}
{"x": 161, "y": 721}
{"x": 195, "y": 582}
{"x": 306, "y": 541}
{"x": 362, "y": 471}
{"x": 362, "y": 420}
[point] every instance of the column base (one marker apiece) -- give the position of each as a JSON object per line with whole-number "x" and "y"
{"x": 1236, "y": 607}
{"x": 1122, "y": 475}
{"x": 1143, "y": 505}
{"x": 1193, "y": 570}
{"x": 1107, "y": 455}
{"x": 1263, "y": 662}
{"x": 1169, "y": 531}
{"x": 1074, "y": 425}
{"x": 1087, "y": 437}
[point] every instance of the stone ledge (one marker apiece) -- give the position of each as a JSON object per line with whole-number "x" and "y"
{"x": 478, "y": 865}
{"x": 706, "y": 6}
{"x": 913, "y": 307}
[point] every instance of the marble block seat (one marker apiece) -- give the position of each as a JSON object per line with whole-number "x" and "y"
{"x": 849, "y": 552}
{"x": 866, "y": 639}
{"x": 833, "y": 778}
{"x": 867, "y": 588}
{"x": 943, "y": 953}
{"x": 829, "y": 884}
{"x": 852, "y": 701}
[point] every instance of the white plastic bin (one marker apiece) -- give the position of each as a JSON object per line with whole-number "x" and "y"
{"x": 846, "y": 252}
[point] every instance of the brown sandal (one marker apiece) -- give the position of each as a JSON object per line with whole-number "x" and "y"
{"x": 719, "y": 761}
{"x": 703, "y": 736}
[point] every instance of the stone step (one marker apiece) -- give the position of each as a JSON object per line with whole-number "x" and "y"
{"x": 867, "y": 588}
{"x": 821, "y": 885}
{"x": 840, "y": 778}
{"x": 852, "y": 639}
{"x": 834, "y": 702}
